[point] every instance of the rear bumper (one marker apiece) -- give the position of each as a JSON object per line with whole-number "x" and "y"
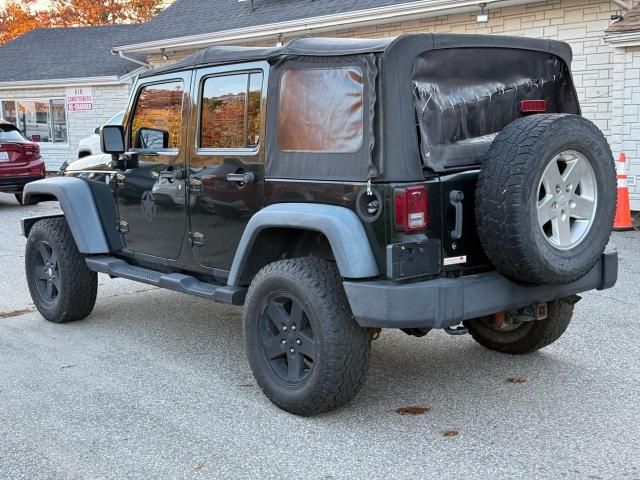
{"x": 445, "y": 302}
{"x": 17, "y": 183}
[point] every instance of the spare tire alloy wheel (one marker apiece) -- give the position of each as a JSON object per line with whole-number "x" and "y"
{"x": 546, "y": 198}
{"x": 567, "y": 199}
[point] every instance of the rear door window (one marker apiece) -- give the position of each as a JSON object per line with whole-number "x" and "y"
{"x": 230, "y": 111}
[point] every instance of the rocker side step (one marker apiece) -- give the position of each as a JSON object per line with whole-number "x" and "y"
{"x": 179, "y": 282}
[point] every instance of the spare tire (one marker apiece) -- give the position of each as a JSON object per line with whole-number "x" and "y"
{"x": 546, "y": 198}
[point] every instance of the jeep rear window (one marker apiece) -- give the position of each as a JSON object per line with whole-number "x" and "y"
{"x": 321, "y": 110}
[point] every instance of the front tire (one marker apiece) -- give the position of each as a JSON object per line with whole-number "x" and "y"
{"x": 518, "y": 338}
{"x": 307, "y": 353}
{"x": 63, "y": 289}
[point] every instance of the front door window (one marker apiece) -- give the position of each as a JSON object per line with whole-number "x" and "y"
{"x": 152, "y": 200}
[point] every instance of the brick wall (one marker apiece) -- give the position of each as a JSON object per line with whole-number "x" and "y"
{"x": 107, "y": 101}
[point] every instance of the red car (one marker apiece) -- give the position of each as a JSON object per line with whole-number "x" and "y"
{"x": 20, "y": 161}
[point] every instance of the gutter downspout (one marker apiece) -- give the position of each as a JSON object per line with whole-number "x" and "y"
{"x": 121, "y": 54}
{"x": 622, "y": 4}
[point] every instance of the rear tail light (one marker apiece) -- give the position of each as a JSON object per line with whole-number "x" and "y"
{"x": 32, "y": 150}
{"x": 411, "y": 208}
{"x": 533, "y": 106}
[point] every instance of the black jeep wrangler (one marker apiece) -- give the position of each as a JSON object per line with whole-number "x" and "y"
{"x": 335, "y": 187}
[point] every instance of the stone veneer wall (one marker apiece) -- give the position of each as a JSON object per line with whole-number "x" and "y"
{"x": 626, "y": 115}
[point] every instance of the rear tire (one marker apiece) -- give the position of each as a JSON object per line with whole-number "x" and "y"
{"x": 546, "y": 199}
{"x": 525, "y": 337}
{"x": 63, "y": 289}
{"x": 307, "y": 353}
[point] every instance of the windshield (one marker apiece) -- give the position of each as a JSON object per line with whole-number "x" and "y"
{"x": 116, "y": 119}
{"x": 9, "y": 133}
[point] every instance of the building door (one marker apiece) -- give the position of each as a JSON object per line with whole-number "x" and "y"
{"x": 151, "y": 196}
{"x": 226, "y": 167}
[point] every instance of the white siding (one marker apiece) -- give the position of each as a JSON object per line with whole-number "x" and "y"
{"x": 107, "y": 101}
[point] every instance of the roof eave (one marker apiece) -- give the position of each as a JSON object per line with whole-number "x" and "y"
{"x": 63, "y": 82}
{"x": 420, "y": 8}
{"x": 623, "y": 39}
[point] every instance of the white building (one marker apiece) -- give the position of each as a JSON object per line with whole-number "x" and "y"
{"x": 606, "y": 62}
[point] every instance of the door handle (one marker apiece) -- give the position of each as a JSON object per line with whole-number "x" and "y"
{"x": 195, "y": 185}
{"x": 172, "y": 174}
{"x": 242, "y": 178}
{"x": 455, "y": 199}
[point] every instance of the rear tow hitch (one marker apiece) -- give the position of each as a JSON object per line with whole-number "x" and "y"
{"x": 531, "y": 313}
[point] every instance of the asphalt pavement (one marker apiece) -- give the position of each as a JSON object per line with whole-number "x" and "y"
{"x": 155, "y": 385}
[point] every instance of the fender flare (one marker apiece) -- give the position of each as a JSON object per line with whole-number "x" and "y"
{"x": 341, "y": 226}
{"x": 78, "y": 206}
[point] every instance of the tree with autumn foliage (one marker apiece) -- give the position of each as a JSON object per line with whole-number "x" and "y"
{"x": 18, "y": 17}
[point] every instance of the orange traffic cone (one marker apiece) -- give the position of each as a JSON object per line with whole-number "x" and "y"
{"x": 622, "y": 220}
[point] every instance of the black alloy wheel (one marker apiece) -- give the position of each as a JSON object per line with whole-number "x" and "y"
{"x": 62, "y": 287}
{"x": 46, "y": 273}
{"x": 287, "y": 339}
{"x": 305, "y": 349}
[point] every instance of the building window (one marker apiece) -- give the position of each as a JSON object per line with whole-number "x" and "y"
{"x": 230, "y": 111}
{"x": 321, "y": 110}
{"x": 42, "y": 120}
{"x": 157, "y": 118}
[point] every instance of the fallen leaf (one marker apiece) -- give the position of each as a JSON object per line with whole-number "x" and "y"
{"x": 415, "y": 410}
{"x": 15, "y": 313}
{"x": 450, "y": 433}
{"x": 198, "y": 466}
{"x": 516, "y": 379}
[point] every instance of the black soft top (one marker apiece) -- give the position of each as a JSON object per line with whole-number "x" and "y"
{"x": 433, "y": 129}
{"x": 329, "y": 47}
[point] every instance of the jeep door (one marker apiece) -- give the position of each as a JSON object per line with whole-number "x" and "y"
{"x": 226, "y": 166}
{"x": 151, "y": 194}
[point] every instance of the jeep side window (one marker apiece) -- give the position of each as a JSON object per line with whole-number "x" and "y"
{"x": 157, "y": 118}
{"x": 321, "y": 110}
{"x": 230, "y": 111}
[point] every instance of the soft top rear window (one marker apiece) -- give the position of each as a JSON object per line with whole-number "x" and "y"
{"x": 321, "y": 110}
{"x": 464, "y": 96}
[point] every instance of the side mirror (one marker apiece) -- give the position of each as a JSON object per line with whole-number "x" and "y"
{"x": 112, "y": 139}
{"x": 152, "y": 139}
{"x": 97, "y": 130}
